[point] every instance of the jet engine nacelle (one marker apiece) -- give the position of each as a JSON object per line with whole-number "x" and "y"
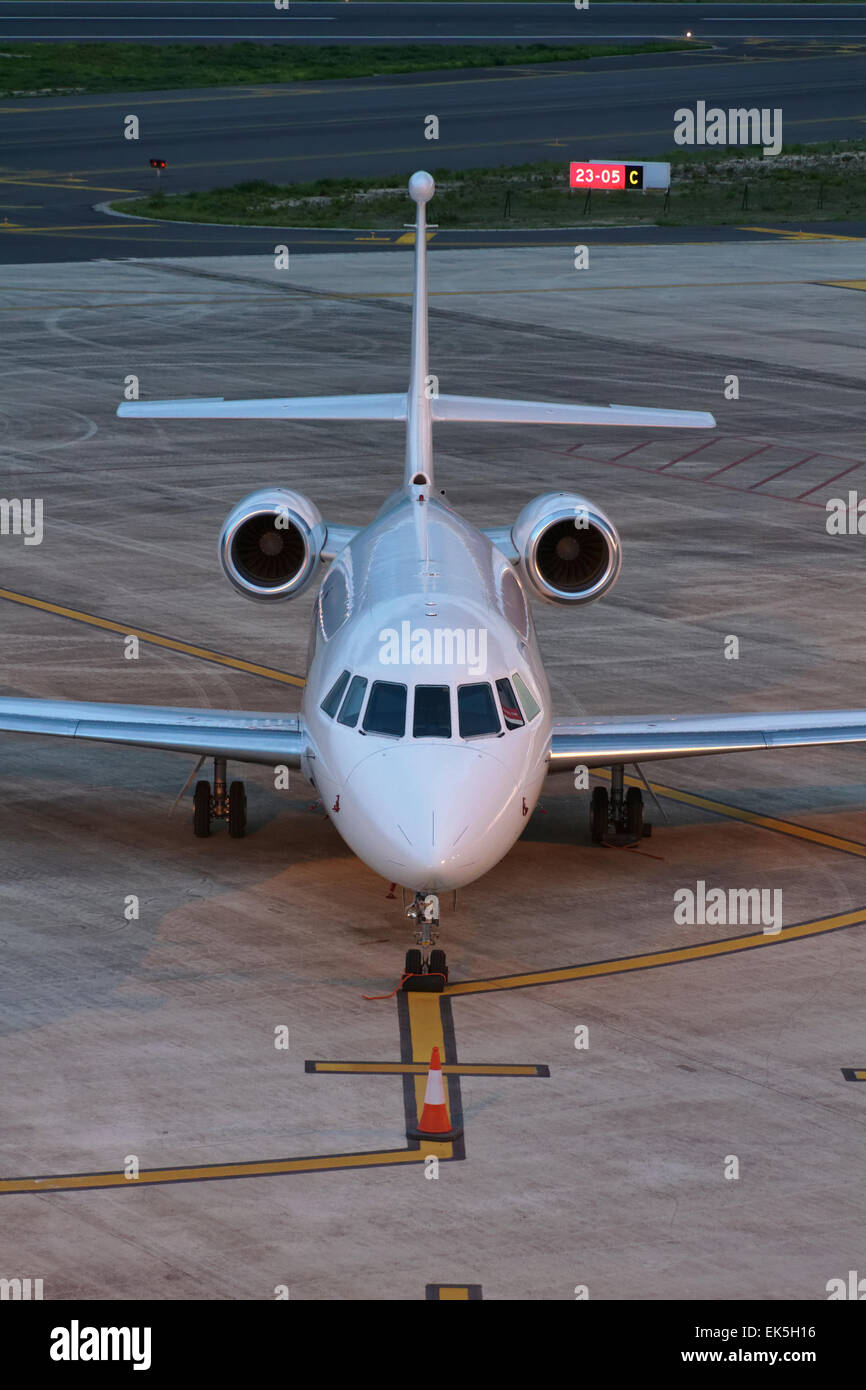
{"x": 569, "y": 551}
{"x": 271, "y": 543}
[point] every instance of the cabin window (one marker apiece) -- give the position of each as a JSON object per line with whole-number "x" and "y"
{"x": 352, "y": 704}
{"x": 386, "y": 709}
{"x": 508, "y": 700}
{"x": 331, "y": 702}
{"x": 514, "y": 603}
{"x": 334, "y": 603}
{"x": 476, "y": 711}
{"x": 432, "y": 717}
{"x": 531, "y": 706}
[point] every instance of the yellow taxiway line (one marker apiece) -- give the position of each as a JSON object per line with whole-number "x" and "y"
{"x": 425, "y": 1015}
{"x": 65, "y": 1182}
{"x": 652, "y": 960}
{"x": 793, "y": 235}
{"x": 425, "y": 1024}
{"x": 426, "y": 1030}
{"x": 154, "y": 638}
{"x": 721, "y": 808}
{"x": 421, "y": 1068}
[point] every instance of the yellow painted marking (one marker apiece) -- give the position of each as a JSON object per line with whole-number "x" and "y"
{"x": 846, "y": 284}
{"x": 860, "y": 1075}
{"x": 110, "y": 292}
{"x": 425, "y": 1025}
{"x": 125, "y": 304}
{"x": 421, "y": 1068}
{"x": 77, "y": 187}
{"x": 449, "y": 1294}
{"x": 705, "y": 803}
{"x": 434, "y": 294}
{"x": 511, "y": 73}
{"x": 794, "y": 235}
{"x": 680, "y": 956}
{"x": 380, "y": 240}
{"x": 77, "y": 227}
{"x": 66, "y": 1181}
{"x": 576, "y": 140}
{"x": 425, "y": 1021}
{"x": 187, "y": 648}
{"x": 408, "y": 238}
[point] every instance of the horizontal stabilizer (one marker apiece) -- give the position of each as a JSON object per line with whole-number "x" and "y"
{"x": 478, "y": 409}
{"x": 487, "y": 410}
{"x": 383, "y": 407}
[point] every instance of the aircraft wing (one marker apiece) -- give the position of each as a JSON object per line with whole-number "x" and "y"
{"x": 235, "y": 734}
{"x": 600, "y": 742}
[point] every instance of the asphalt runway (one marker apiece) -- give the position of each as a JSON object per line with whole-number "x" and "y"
{"x": 197, "y": 21}
{"x": 154, "y": 1037}
{"x": 63, "y": 156}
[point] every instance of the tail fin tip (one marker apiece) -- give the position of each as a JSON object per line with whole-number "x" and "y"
{"x": 421, "y": 187}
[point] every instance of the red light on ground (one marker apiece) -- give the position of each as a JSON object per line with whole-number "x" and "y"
{"x": 157, "y": 164}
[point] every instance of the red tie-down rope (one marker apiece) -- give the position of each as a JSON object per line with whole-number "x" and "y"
{"x": 408, "y": 976}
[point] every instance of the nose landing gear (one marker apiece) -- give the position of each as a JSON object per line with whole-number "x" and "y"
{"x": 220, "y": 804}
{"x": 426, "y": 967}
{"x": 616, "y": 818}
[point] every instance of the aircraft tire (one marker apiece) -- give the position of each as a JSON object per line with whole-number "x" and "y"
{"x": 438, "y": 965}
{"x": 598, "y": 814}
{"x": 201, "y": 810}
{"x": 237, "y": 811}
{"x": 634, "y": 812}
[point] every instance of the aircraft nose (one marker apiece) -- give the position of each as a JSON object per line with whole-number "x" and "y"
{"x": 431, "y": 817}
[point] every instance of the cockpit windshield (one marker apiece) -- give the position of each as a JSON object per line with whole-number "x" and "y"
{"x": 386, "y": 709}
{"x": 476, "y": 710}
{"x": 508, "y": 700}
{"x": 478, "y": 713}
{"x": 331, "y": 702}
{"x": 432, "y": 717}
{"x": 354, "y": 700}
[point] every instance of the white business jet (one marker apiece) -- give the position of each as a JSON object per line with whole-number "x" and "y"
{"x": 426, "y": 724}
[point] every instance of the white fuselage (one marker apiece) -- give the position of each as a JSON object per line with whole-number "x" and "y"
{"x": 422, "y": 598}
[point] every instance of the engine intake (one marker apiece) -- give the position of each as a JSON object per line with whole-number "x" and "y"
{"x": 569, "y": 551}
{"x": 271, "y": 544}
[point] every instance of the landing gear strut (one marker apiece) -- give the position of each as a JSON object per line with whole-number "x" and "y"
{"x": 616, "y": 817}
{"x": 426, "y": 967}
{"x": 219, "y": 804}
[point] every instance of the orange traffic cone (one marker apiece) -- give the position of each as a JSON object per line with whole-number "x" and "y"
{"x": 434, "y": 1122}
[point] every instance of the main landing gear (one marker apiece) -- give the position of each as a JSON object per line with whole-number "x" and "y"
{"x": 616, "y": 817}
{"x": 426, "y": 968}
{"x": 218, "y": 804}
